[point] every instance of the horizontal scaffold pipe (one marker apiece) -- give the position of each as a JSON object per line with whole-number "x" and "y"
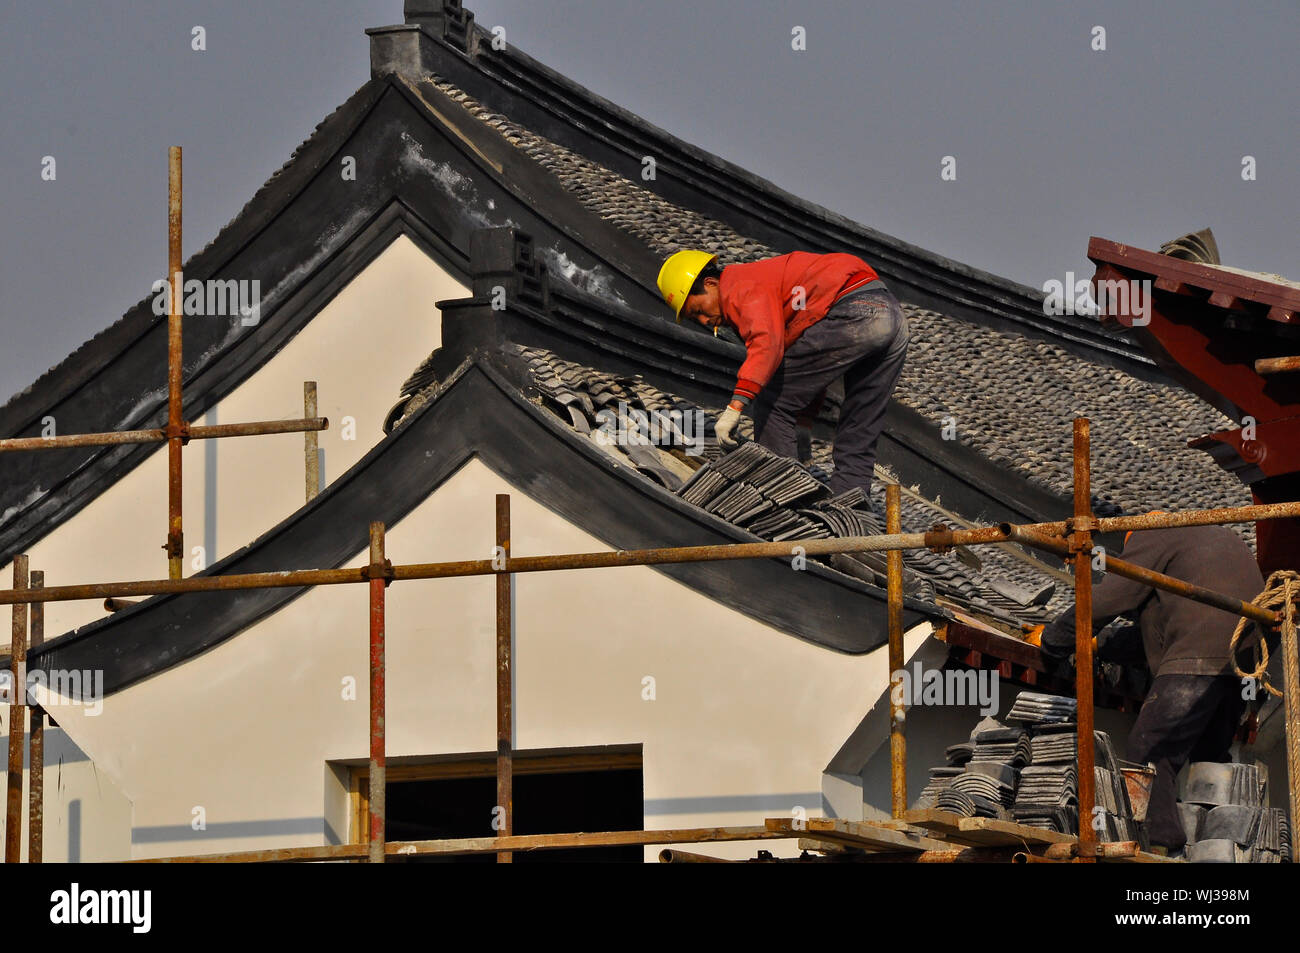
{"x": 159, "y": 435}
{"x": 1157, "y": 580}
{"x": 1001, "y": 533}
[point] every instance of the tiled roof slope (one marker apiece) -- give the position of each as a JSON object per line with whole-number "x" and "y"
{"x": 687, "y": 460}
{"x": 1010, "y": 396}
{"x": 663, "y": 226}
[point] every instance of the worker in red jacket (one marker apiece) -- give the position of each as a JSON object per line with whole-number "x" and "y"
{"x": 806, "y": 320}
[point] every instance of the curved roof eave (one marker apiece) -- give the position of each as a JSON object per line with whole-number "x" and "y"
{"x": 479, "y": 412}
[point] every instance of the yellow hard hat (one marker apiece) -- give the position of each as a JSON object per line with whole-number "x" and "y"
{"x": 678, "y": 274}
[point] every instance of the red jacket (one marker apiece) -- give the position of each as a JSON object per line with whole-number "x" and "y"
{"x": 760, "y": 299}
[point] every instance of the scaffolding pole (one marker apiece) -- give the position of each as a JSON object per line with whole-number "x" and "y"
{"x": 36, "y": 746}
{"x": 17, "y": 720}
{"x": 1149, "y": 577}
{"x": 290, "y": 579}
{"x": 176, "y": 435}
{"x": 377, "y": 574}
{"x": 1081, "y": 549}
{"x": 894, "y": 591}
{"x": 505, "y": 680}
{"x": 159, "y": 435}
{"x": 311, "y": 443}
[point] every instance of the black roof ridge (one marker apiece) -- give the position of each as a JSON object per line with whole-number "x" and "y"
{"x": 443, "y": 434}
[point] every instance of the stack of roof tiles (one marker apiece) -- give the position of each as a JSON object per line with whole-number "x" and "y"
{"x": 1226, "y": 817}
{"x": 1048, "y": 798}
{"x": 1036, "y": 708}
{"x": 1009, "y": 589}
{"x": 1048, "y": 794}
{"x": 777, "y": 498}
{"x": 754, "y": 488}
{"x": 1027, "y": 774}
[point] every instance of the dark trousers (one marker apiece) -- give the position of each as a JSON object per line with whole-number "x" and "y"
{"x": 1184, "y": 718}
{"x": 863, "y": 339}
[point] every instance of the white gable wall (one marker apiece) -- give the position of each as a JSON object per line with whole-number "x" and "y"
{"x": 358, "y": 349}
{"x": 744, "y": 720}
{"x": 86, "y": 817}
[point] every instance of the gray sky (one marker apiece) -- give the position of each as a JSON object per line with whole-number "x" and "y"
{"x": 1053, "y": 142}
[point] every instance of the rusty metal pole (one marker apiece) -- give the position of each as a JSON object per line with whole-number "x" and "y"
{"x": 310, "y": 441}
{"x": 1081, "y": 545}
{"x": 36, "y": 746}
{"x": 505, "y": 680}
{"x": 253, "y": 428}
{"x": 378, "y": 759}
{"x": 175, "y": 545}
{"x": 1149, "y": 577}
{"x": 897, "y": 736}
{"x": 1277, "y": 365}
{"x": 17, "y": 720}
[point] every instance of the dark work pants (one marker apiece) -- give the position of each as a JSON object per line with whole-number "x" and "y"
{"x": 1184, "y": 718}
{"x": 863, "y": 339}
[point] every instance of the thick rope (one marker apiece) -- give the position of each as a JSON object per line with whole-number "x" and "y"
{"x": 1281, "y": 592}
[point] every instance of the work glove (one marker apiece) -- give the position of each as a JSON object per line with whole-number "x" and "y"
{"x": 1034, "y": 636}
{"x": 727, "y": 423}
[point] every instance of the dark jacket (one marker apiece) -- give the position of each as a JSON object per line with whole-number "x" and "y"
{"x": 1181, "y": 637}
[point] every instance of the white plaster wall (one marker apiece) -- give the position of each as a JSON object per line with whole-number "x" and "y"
{"x": 86, "y": 817}
{"x": 744, "y": 719}
{"x": 358, "y": 349}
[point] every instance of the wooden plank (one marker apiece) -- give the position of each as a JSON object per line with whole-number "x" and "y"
{"x": 863, "y": 834}
{"x": 943, "y": 824}
{"x": 1226, "y": 300}
{"x": 1139, "y": 263}
{"x": 982, "y": 831}
{"x": 826, "y": 847}
{"x": 992, "y": 832}
{"x": 1143, "y": 857}
{"x": 490, "y": 845}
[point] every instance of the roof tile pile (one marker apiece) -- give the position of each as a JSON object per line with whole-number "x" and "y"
{"x": 773, "y": 497}
{"x": 1028, "y": 774}
{"x": 1226, "y": 817}
{"x": 1037, "y": 708}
